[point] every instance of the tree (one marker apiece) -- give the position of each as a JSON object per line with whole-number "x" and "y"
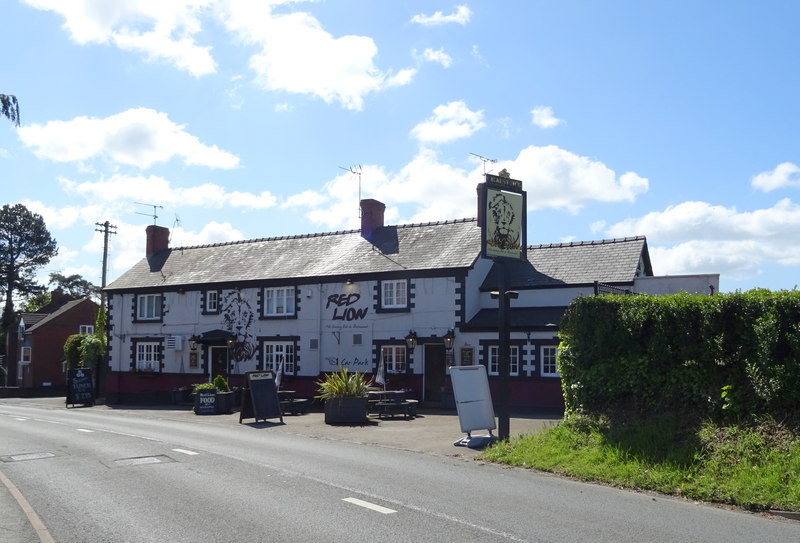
{"x": 36, "y": 301}
{"x": 74, "y": 285}
{"x": 25, "y": 246}
{"x": 9, "y": 107}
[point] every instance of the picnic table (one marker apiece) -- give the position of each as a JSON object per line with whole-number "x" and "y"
{"x": 290, "y": 404}
{"x": 390, "y": 403}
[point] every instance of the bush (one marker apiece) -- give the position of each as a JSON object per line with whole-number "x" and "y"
{"x": 221, "y": 384}
{"x": 343, "y": 384}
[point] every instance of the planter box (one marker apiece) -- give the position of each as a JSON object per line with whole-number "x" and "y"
{"x": 224, "y": 403}
{"x": 346, "y": 410}
{"x": 205, "y": 402}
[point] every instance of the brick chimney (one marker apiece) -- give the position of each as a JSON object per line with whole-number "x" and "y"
{"x": 157, "y": 239}
{"x": 371, "y": 217}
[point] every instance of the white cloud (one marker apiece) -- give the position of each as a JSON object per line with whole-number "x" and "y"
{"x": 438, "y": 55}
{"x": 449, "y": 122}
{"x": 125, "y": 189}
{"x": 137, "y": 137}
{"x": 159, "y": 30}
{"x": 460, "y": 16}
{"x": 561, "y": 179}
{"x": 697, "y": 237}
{"x": 542, "y": 116}
{"x": 296, "y": 54}
{"x": 784, "y": 175}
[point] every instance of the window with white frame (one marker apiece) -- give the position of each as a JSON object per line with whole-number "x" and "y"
{"x": 26, "y": 355}
{"x": 394, "y": 294}
{"x": 148, "y": 307}
{"x": 279, "y": 302}
{"x": 86, "y": 329}
{"x": 148, "y": 356}
{"x": 494, "y": 360}
{"x": 394, "y": 358}
{"x": 277, "y": 353}
{"x": 548, "y": 361}
{"x": 212, "y": 301}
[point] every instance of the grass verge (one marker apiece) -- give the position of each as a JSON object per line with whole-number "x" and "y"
{"x": 753, "y": 464}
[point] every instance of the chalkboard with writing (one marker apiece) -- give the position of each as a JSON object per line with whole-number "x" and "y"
{"x": 260, "y": 397}
{"x": 79, "y": 387}
{"x": 206, "y": 402}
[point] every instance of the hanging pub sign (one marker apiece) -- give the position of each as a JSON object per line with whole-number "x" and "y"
{"x": 502, "y": 216}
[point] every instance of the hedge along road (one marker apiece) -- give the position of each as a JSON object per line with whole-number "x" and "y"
{"x": 141, "y": 475}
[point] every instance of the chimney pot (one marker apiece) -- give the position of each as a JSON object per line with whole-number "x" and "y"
{"x": 157, "y": 239}
{"x": 372, "y": 212}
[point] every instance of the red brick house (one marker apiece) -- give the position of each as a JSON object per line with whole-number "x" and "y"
{"x": 41, "y": 337}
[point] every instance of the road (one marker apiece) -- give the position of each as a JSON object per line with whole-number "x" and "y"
{"x": 129, "y": 476}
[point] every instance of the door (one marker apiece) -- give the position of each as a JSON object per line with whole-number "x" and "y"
{"x": 435, "y": 375}
{"x": 219, "y": 361}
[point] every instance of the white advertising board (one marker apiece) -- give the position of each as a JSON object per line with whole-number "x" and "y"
{"x": 473, "y": 398}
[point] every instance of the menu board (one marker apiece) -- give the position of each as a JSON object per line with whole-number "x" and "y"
{"x": 260, "y": 397}
{"x": 79, "y": 387}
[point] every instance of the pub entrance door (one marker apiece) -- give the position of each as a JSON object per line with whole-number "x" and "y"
{"x": 435, "y": 372}
{"x": 219, "y": 361}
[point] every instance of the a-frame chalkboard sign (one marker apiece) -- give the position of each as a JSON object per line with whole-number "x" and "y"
{"x": 260, "y": 397}
{"x": 79, "y": 387}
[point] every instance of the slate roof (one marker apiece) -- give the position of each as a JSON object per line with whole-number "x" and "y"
{"x": 613, "y": 261}
{"x": 414, "y": 247}
{"x": 520, "y": 318}
{"x": 54, "y": 315}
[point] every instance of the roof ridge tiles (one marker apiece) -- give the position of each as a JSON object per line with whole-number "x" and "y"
{"x": 315, "y": 234}
{"x": 586, "y": 243}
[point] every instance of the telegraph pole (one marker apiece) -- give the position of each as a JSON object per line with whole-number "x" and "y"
{"x": 106, "y": 228}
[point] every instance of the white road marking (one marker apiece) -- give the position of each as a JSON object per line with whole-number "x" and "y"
{"x": 18, "y": 418}
{"x": 184, "y": 451}
{"x": 85, "y": 430}
{"x": 368, "y": 505}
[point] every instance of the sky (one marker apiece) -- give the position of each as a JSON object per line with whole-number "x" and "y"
{"x": 226, "y": 120}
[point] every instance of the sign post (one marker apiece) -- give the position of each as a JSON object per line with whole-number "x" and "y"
{"x": 502, "y": 216}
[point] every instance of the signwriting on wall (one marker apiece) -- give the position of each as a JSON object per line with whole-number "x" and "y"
{"x": 342, "y": 307}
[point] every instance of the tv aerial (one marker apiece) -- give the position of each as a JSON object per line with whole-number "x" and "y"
{"x": 355, "y": 170}
{"x": 484, "y": 160}
{"x": 155, "y": 213}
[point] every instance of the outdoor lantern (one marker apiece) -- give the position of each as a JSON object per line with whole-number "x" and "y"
{"x": 449, "y": 338}
{"x": 193, "y": 342}
{"x": 411, "y": 340}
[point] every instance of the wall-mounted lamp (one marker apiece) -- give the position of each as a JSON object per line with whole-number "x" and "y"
{"x": 193, "y": 342}
{"x": 411, "y": 341}
{"x": 449, "y": 338}
{"x": 348, "y": 282}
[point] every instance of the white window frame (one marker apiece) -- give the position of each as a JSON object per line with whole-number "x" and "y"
{"x": 148, "y": 356}
{"x": 148, "y": 307}
{"x": 279, "y": 301}
{"x": 394, "y": 294}
{"x": 274, "y": 351}
{"x": 513, "y": 360}
{"x": 548, "y": 361}
{"x": 394, "y": 358}
{"x": 86, "y": 329}
{"x": 212, "y": 301}
{"x": 25, "y": 357}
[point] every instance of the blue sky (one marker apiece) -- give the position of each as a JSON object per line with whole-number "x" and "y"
{"x": 243, "y": 118}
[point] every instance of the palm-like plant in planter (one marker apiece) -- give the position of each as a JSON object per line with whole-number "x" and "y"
{"x": 345, "y": 396}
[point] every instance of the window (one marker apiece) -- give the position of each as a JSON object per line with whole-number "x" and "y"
{"x": 494, "y": 360}
{"x": 277, "y": 353}
{"x": 26, "y": 355}
{"x": 394, "y": 294}
{"x": 279, "y": 302}
{"x": 394, "y": 358}
{"x": 212, "y": 302}
{"x": 86, "y": 329}
{"x": 148, "y": 356}
{"x": 549, "y": 366}
{"x": 148, "y": 307}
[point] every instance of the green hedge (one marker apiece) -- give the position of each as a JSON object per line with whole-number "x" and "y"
{"x": 713, "y": 355}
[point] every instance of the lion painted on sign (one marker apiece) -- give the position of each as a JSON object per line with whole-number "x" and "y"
{"x": 502, "y": 234}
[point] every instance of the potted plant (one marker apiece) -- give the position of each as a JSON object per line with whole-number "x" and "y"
{"x": 224, "y": 396}
{"x": 345, "y": 396}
